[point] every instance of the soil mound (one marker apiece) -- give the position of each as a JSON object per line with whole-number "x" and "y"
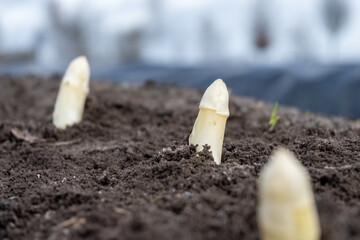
{"x": 126, "y": 172}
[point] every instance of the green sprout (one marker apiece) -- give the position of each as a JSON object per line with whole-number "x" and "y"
{"x": 274, "y": 119}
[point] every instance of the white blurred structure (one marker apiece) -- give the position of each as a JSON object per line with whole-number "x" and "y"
{"x": 177, "y": 31}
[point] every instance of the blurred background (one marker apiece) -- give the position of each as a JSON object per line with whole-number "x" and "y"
{"x": 304, "y": 53}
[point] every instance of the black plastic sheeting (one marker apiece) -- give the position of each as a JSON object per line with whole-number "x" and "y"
{"x": 332, "y": 90}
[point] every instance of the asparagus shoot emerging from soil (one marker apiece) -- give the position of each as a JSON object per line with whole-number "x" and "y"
{"x": 209, "y": 127}
{"x": 274, "y": 119}
{"x": 287, "y": 207}
{"x": 74, "y": 87}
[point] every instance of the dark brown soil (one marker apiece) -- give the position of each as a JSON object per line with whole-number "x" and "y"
{"x": 126, "y": 171}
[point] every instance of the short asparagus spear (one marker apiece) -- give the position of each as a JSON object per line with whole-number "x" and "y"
{"x": 287, "y": 208}
{"x": 209, "y": 127}
{"x": 74, "y": 87}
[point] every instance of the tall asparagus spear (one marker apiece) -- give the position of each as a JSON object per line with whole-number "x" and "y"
{"x": 286, "y": 202}
{"x": 74, "y": 88}
{"x": 209, "y": 127}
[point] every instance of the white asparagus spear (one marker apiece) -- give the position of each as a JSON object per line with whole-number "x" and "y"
{"x": 74, "y": 88}
{"x": 209, "y": 127}
{"x": 287, "y": 207}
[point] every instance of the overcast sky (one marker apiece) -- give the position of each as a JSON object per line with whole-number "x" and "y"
{"x": 177, "y": 31}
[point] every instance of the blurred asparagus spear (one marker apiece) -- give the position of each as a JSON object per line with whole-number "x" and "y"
{"x": 209, "y": 127}
{"x": 74, "y": 87}
{"x": 287, "y": 207}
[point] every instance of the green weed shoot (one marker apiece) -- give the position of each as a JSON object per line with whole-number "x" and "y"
{"x": 273, "y": 119}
